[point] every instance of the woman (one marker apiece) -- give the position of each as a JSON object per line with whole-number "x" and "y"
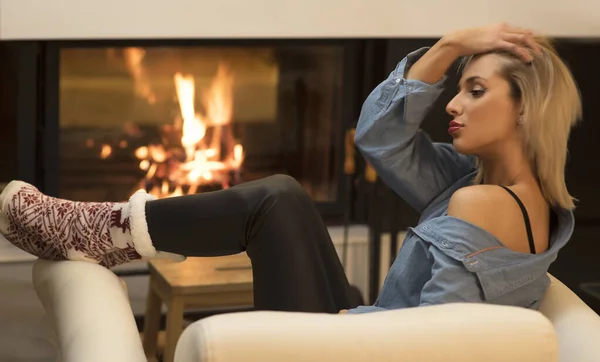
{"x": 487, "y": 202}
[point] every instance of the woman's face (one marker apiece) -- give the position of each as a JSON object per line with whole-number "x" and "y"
{"x": 484, "y": 113}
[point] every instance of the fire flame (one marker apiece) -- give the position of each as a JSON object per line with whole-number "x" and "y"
{"x": 207, "y": 154}
{"x": 193, "y": 127}
{"x": 106, "y": 151}
{"x": 204, "y": 162}
{"x": 133, "y": 62}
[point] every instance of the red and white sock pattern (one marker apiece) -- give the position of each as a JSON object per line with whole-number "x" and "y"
{"x": 56, "y": 229}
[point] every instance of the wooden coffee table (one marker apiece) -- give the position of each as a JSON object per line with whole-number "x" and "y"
{"x": 195, "y": 283}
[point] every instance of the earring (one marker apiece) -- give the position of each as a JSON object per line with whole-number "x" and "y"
{"x": 520, "y": 121}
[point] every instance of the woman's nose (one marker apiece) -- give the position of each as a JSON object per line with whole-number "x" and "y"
{"x": 453, "y": 108}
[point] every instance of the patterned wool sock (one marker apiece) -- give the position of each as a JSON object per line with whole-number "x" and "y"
{"x": 50, "y": 228}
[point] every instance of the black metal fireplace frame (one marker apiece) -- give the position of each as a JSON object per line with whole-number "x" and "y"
{"x": 20, "y": 109}
{"x": 37, "y": 109}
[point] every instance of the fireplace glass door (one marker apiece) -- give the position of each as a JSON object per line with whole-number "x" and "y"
{"x": 189, "y": 119}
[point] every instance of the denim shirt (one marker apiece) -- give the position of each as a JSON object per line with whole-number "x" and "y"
{"x": 443, "y": 259}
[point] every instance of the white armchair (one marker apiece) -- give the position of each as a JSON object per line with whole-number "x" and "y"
{"x": 89, "y": 310}
{"x": 93, "y": 321}
{"x": 577, "y": 326}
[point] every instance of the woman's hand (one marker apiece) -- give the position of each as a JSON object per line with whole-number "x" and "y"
{"x": 343, "y": 311}
{"x": 432, "y": 66}
{"x": 494, "y": 37}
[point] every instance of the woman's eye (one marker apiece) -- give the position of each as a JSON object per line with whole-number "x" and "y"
{"x": 477, "y": 92}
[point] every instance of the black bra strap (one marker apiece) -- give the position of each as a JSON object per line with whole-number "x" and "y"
{"x": 525, "y": 216}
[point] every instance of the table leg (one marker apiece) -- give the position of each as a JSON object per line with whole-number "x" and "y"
{"x": 151, "y": 323}
{"x": 174, "y": 328}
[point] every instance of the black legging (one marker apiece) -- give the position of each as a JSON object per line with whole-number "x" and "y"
{"x": 294, "y": 263}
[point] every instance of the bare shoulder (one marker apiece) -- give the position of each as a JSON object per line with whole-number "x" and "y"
{"x": 486, "y": 206}
{"x": 479, "y": 201}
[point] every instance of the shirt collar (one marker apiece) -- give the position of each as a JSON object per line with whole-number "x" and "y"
{"x": 463, "y": 240}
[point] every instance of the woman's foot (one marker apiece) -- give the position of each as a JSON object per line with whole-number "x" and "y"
{"x": 50, "y": 228}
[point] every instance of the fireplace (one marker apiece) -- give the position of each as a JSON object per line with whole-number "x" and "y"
{"x": 178, "y": 117}
{"x": 55, "y": 94}
{"x": 182, "y": 119}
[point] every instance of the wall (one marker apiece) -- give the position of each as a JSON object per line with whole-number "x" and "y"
{"x": 56, "y": 19}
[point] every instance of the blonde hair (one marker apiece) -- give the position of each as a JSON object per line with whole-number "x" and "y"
{"x": 550, "y": 104}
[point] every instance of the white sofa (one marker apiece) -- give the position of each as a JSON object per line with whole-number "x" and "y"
{"x": 93, "y": 322}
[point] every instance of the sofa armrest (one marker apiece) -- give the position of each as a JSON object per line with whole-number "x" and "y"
{"x": 90, "y": 312}
{"x": 577, "y": 325}
{"x": 451, "y": 332}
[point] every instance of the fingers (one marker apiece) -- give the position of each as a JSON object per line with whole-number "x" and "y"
{"x": 518, "y": 50}
{"x": 518, "y": 44}
{"x": 523, "y": 39}
{"x": 513, "y": 29}
{"x": 519, "y": 41}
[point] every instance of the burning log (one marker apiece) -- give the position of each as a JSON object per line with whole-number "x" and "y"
{"x": 207, "y": 158}
{"x": 197, "y": 151}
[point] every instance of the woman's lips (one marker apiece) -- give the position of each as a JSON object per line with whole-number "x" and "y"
{"x": 454, "y": 127}
{"x": 453, "y": 130}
